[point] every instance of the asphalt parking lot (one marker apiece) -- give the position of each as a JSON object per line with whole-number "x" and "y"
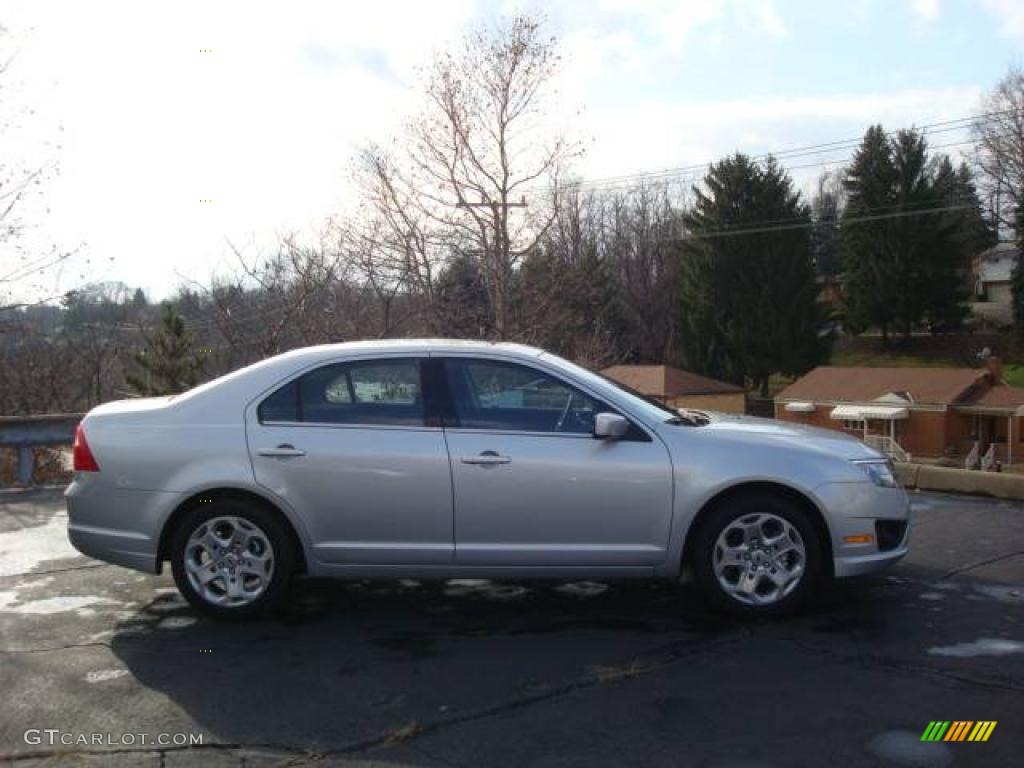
{"x": 473, "y": 673}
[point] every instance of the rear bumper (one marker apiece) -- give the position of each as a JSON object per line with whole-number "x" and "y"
{"x": 117, "y": 547}
{"x": 116, "y": 525}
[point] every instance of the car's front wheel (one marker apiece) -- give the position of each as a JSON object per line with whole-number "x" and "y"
{"x": 231, "y": 559}
{"x": 758, "y": 555}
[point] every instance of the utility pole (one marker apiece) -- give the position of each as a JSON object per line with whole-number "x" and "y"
{"x": 502, "y": 257}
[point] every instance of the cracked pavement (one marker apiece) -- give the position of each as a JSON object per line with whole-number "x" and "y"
{"x": 469, "y": 673}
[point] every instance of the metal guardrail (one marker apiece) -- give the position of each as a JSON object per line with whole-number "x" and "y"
{"x": 27, "y": 432}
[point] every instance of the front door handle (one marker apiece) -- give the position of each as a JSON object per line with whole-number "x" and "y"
{"x": 283, "y": 450}
{"x": 487, "y": 458}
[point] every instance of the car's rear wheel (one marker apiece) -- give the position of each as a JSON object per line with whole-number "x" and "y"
{"x": 758, "y": 555}
{"x": 231, "y": 559}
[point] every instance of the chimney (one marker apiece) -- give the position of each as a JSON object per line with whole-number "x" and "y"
{"x": 995, "y": 369}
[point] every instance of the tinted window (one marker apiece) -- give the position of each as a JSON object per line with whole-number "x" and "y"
{"x": 283, "y": 405}
{"x": 495, "y": 395}
{"x": 381, "y": 392}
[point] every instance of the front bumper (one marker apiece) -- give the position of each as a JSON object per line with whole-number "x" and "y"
{"x": 860, "y": 509}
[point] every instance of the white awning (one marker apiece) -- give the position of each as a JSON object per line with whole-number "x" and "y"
{"x": 861, "y": 412}
{"x": 798, "y": 407}
{"x": 846, "y": 413}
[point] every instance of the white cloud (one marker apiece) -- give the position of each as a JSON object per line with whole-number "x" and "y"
{"x": 926, "y": 10}
{"x": 768, "y": 18}
{"x": 1010, "y": 14}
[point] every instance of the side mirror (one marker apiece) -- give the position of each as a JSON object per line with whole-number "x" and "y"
{"x": 610, "y": 426}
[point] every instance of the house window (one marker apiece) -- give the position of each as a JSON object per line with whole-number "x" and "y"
{"x": 857, "y": 425}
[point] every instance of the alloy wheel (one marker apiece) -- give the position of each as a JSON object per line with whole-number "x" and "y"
{"x": 759, "y": 558}
{"x": 229, "y": 561}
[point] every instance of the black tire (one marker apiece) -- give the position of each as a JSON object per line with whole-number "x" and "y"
{"x": 283, "y": 555}
{"x": 721, "y": 518}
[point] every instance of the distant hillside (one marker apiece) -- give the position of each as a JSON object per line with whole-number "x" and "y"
{"x": 950, "y": 349}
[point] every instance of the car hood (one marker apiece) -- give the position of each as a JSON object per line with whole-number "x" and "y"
{"x": 751, "y": 428}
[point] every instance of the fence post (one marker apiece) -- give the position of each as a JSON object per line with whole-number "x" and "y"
{"x": 25, "y": 433}
{"x": 25, "y": 465}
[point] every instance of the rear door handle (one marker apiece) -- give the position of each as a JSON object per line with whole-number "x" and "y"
{"x": 487, "y": 458}
{"x": 283, "y": 450}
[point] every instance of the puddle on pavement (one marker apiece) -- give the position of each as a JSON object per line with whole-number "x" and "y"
{"x": 25, "y": 549}
{"x": 906, "y": 748}
{"x": 13, "y": 602}
{"x": 983, "y": 646}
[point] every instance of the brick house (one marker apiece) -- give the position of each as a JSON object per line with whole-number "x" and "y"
{"x": 930, "y": 412}
{"x": 680, "y": 389}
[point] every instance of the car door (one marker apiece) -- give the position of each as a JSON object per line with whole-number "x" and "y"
{"x": 349, "y": 447}
{"x": 533, "y": 487}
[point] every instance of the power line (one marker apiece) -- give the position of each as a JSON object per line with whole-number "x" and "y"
{"x": 807, "y": 223}
{"x": 825, "y": 147}
{"x": 944, "y": 126}
{"x": 698, "y": 175}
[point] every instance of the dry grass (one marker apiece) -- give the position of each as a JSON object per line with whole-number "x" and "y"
{"x": 52, "y": 466}
{"x": 621, "y": 672}
{"x": 404, "y": 733}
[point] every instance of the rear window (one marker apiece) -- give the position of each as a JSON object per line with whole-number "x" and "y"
{"x": 376, "y": 392}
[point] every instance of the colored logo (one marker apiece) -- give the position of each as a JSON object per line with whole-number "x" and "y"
{"x": 958, "y": 730}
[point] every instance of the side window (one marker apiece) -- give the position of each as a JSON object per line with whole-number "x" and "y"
{"x": 283, "y": 405}
{"x": 496, "y": 395}
{"x": 377, "y": 392}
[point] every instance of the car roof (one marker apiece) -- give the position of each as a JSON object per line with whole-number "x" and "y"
{"x": 393, "y": 346}
{"x": 245, "y": 382}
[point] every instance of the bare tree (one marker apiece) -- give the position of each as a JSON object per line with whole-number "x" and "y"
{"x": 641, "y": 234}
{"x": 21, "y": 268}
{"x": 458, "y": 183}
{"x": 999, "y": 131}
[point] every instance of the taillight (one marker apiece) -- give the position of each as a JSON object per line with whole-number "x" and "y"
{"x": 84, "y": 461}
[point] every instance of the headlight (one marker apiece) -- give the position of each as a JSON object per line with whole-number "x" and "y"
{"x": 880, "y": 472}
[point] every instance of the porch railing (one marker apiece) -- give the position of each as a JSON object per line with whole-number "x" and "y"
{"x": 971, "y": 462}
{"x": 989, "y": 459}
{"x": 888, "y": 446}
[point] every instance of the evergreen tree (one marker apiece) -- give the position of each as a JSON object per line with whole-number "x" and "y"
{"x": 462, "y": 302}
{"x": 748, "y": 289}
{"x": 911, "y": 225}
{"x": 975, "y": 231}
{"x": 869, "y": 288}
{"x": 170, "y": 361}
{"x": 826, "y": 207}
{"x": 1017, "y": 278}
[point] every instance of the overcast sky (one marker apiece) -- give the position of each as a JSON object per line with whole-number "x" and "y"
{"x": 144, "y": 125}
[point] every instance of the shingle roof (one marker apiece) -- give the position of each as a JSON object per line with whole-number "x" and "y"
{"x": 666, "y": 381}
{"x": 937, "y": 386}
{"x": 1001, "y": 396}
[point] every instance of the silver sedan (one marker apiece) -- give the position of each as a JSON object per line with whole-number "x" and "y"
{"x": 444, "y": 459}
